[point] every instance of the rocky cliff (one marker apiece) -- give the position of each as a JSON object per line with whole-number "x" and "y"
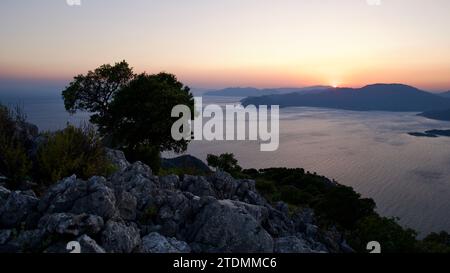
{"x": 134, "y": 211}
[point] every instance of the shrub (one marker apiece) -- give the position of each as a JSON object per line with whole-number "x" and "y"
{"x": 266, "y": 188}
{"x": 344, "y": 206}
{"x": 14, "y": 163}
{"x": 292, "y": 195}
{"x": 436, "y": 243}
{"x": 225, "y": 162}
{"x": 71, "y": 151}
{"x": 392, "y": 237}
{"x": 147, "y": 154}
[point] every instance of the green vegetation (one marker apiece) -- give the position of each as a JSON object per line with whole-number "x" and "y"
{"x": 14, "y": 163}
{"x": 56, "y": 155}
{"x": 337, "y": 205}
{"x": 224, "y": 162}
{"x": 71, "y": 151}
{"x": 132, "y": 112}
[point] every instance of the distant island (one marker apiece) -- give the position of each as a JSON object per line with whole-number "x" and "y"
{"x": 431, "y": 133}
{"x": 253, "y": 92}
{"x": 376, "y": 97}
{"x": 438, "y": 115}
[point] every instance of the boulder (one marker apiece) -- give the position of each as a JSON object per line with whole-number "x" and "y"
{"x": 28, "y": 241}
{"x": 17, "y": 209}
{"x": 70, "y": 224}
{"x": 224, "y": 227}
{"x": 292, "y": 244}
{"x": 137, "y": 179}
{"x": 118, "y": 159}
{"x": 89, "y": 245}
{"x": 156, "y": 243}
{"x": 197, "y": 185}
{"x": 174, "y": 211}
{"x": 169, "y": 182}
{"x": 77, "y": 196}
{"x": 126, "y": 203}
{"x": 120, "y": 237}
{"x": 4, "y": 194}
{"x": 5, "y": 235}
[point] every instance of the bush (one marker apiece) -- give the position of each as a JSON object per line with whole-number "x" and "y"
{"x": 14, "y": 163}
{"x": 292, "y": 195}
{"x": 392, "y": 237}
{"x": 436, "y": 243}
{"x": 71, "y": 151}
{"x": 266, "y": 188}
{"x": 147, "y": 154}
{"x": 344, "y": 206}
{"x": 224, "y": 162}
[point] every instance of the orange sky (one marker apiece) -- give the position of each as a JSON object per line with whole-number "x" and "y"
{"x": 212, "y": 44}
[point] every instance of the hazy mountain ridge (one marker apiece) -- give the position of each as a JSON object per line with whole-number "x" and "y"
{"x": 252, "y": 91}
{"x": 376, "y": 97}
{"x": 445, "y": 94}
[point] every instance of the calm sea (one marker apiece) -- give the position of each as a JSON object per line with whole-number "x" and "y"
{"x": 408, "y": 177}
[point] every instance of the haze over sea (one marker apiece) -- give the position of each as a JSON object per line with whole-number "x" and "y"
{"x": 407, "y": 176}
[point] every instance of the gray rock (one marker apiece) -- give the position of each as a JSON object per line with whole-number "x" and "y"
{"x": 100, "y": 199}
{"x": 224, "y": 185}
{"x": 89, "y": 245}
{"x": 174, "y": 211}
{"x": 126, "y": 204}
{"x": 292, "y": 244}
{"x": 169, "y": 182}
{"x": 119, "y": 237}
{"x": 312, "y": 231}
{"x": 156, "y": 243}
{"x": 278, "y": 224}
{"x": 197, "y": 185}
{"x": 302, "y": 218}
{"x": 181, "y": 246}
{"x": 28, "y": 241}
{"x": 118, "y": 159}
{"x": 137, "y": 179}
{"x": 222, "y": 226}
{"x": 4, "y": 194}
{"x": 5, "y": 235}
{"x": 65, "y": 223}
{"x": 17, "y": 209}
{"x": 77, "y": 196}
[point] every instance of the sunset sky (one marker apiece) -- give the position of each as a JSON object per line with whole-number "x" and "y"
{"x": 220, "y": 43}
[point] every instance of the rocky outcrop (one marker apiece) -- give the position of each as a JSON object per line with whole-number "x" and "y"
{"x": 134, "y": 211}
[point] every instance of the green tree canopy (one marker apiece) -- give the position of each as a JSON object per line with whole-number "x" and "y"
{"x": 94, "y": 91}
{"x": 225, "y": 162}
{"x": 140, "y": 113}
{"x": 132, "y": 112}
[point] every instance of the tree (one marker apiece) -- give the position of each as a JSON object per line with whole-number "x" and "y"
{"x": 94, "y": 91}
{"x": 132, "y": 112}
{"x": 225, "y": 162}
{"x": 140, "y": 118}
